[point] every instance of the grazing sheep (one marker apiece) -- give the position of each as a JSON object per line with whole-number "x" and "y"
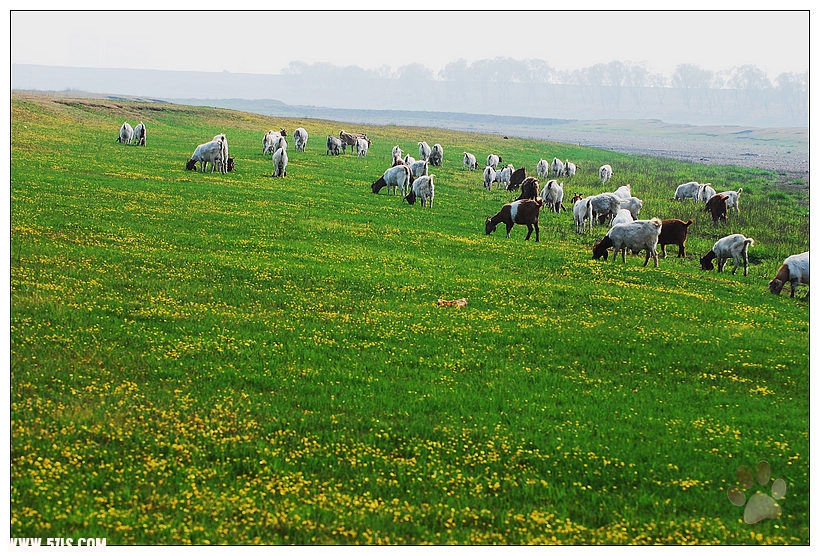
{"x": 624, "y": 192}
{"x": 280, "y": 163}
{"x": 542, "y": 169}
{"x": 635, "y": 236}
{"x": 334, "y": 145}
{"x": 794, "y": 270}
{"x": 210, "y": 152}
{"x": 424, "y": 150}
{"x": 396, "y": 177}
{"x": 469, "y": 161}
{"x": 633, "y": 205}
{"x": 553, "y": 195}
{"x": 126, "y": 132}
{"x": 521, "y": 211}
{"x": 688, "y": 190}
{"x": 569, "y": 168}
{"x": 503, "y": 175}
{"x": 350, "y": 139}
{"x": 557, "y": 167}
{"x": 424, "y": 189}
{"x": 732, "y": 198}
{"x": 300, "y": 139}
{"x": 623, "y": 217}
{"x": 581, "y": 211}
{"x": 735, "y": 246}
{"x": 269, "y": 139}
{"x": 517, "y": 179}
{"x": 494, "y": 160}
{"x": 436, "y": 155}
{"x": 674, "y": 232}
{"x": 489, "y": 177}
{"x": 361, "y": 147}
{"x": 139, "y": 134}
{"x": 604, "y": 205}
{"x": 718, "y": 206}
{"x": 605, "y": 173}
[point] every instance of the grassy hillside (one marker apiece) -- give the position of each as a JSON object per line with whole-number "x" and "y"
{"x": 206, "y": 358}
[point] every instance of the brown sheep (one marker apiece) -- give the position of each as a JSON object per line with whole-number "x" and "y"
{"x": 719, "y": 207}
{"x": 674, "y": 232}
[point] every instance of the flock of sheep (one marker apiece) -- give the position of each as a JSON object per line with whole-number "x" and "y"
{"x": 618, "y": 209}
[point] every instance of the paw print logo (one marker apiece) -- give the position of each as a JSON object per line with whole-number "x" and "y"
{"x": 760, "y": 506}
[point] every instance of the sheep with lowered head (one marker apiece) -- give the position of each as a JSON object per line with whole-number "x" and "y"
{"x": 734, "y": 246}
{"x": 635, "y": 236}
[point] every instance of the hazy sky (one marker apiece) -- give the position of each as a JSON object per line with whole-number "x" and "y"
{"x": 266, "y": 41}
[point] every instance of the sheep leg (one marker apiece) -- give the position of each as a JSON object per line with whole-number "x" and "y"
{"x": 537, "y": 232}
{"x": 529, "y": 232}
{"x": 509, "y": 229}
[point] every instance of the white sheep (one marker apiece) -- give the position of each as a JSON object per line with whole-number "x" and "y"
{"x": 732, "y": 198}
{"x": 126, "y": 132}
{"x": 409, "y": 160}
{"x": 603, "y": 205}
{"x": 361, "y": 147}
{"x": 397, "y": 152}
{"x": 493, "y": 160}
{"x": 424, "y": 150}
{"x": 794, "y": 270}
{"x": 581, "y": 212}
{"x": 605, "y": 173}
{"x": 280, "y": 163}
{"x": 223, "y": 165}
{"x": 542, "y": 169}
{"x": 210, "y": 152}
{"x": 139, "y": 134}
{"x": 624, "y": 192}
{"x": 395, "y": 177}
{"x": 419, "y": 168}
{"x": 569, "y": 168}
{"x": 557, "y": 167}
{"x": 504, "y": 175}
{"x": 705, "y": 192}
{"x": 300, "y": 139}
{"x": 633, "y": 205}
{"x": 269, "y": 139}
{"x": 735, "y": 246}
{"x": 424, "y": 189}
{"x": 623, "y": 217}
{"x": 469, "y": 161}
{"x": 635, "y": 236}
{"x": 688, "y": 190}
{"x": 489, "y": 177}
{"x": 553, "y": 195}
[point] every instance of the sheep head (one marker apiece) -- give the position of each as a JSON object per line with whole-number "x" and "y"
{"x": 776, "y": 286}
{"x": 489, "y": 226}
{"x": 190, "y": 165}
{"x": 706, "y": 261}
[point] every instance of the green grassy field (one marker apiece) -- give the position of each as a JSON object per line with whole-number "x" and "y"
{"x": 242, "y": 359}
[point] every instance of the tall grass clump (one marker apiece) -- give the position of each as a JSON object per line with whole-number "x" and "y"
{"x": 209, "y": 359}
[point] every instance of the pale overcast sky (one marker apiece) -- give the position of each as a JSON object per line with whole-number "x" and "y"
{"x": 267, "y": 41}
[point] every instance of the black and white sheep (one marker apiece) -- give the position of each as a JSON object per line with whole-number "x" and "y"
{"x": 489, "y": 177}
{"x": 604, "y": 206}
{"x": 569, "y": 168}
{"x": 269, "y": 140}
{"x": 424, "y": 189}
{"x": 557, "y": 167}
{"x": 494, "y": 160}
{"x": 206, "y": 153}
{"x": 794, "y": 271}
{"x": 734, "y": 246}
{"x": 398, "y": 177}
{"x": 635, "y": 236}
{"x": 522, "y": 211}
